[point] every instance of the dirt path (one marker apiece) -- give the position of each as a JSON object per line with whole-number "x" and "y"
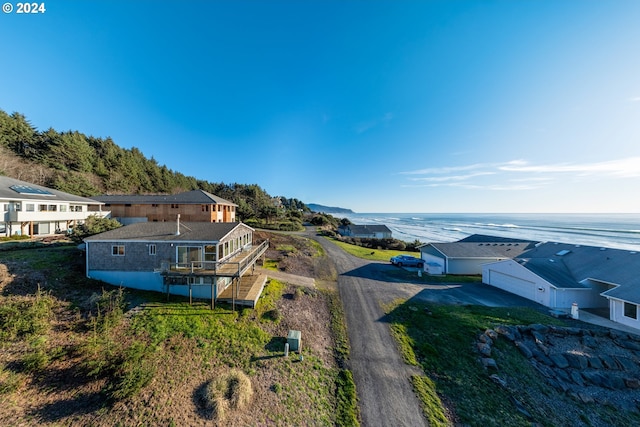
{"x": 292, "y": 279}
{"x": 385, "y": 394}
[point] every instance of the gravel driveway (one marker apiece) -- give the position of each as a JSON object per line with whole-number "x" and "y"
{"x": 385, "y": 394}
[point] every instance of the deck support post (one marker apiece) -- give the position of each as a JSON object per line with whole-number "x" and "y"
{"x": 214, "y": 291}
{"x": 190, "y": 293}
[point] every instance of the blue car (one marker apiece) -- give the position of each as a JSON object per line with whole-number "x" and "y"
{"x": 407, "y": 261}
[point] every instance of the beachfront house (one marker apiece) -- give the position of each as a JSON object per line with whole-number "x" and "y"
{"x": 34, "y": 210}
{"x": 467, "y": 256}
{"x": 557, "y": 275}
{"x": 195, "y": 205}
{"x": 365, "y": 231}
{"x": 196, "y": 259}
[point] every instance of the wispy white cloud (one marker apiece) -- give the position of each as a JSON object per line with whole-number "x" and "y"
{"x": 491, "y": 186}
{"x": 629, "y": 167}
{"x": 635, "y": 99}
{"x": 519, "y": 175}
{"x": 446, "y": 169}
{"x": 452, "y": 177}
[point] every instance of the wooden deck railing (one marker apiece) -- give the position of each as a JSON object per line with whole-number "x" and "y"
{"x": 245, "y": 259}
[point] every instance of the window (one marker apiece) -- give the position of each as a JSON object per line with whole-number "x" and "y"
{"x": 117, "y": 250}
{"x": 63, "y": 208}
{"x": 630, "y": 310}
{"x": 209, "y": 253}
{"x": 174, "y": 206}
{"x": 42, "y": 208}
{"x": 152, "y": 249}
{"x": 26, "y": 189}
{"x": 205, "y": 208}
{"x": 188, "y": 254}
{"x": 30, "y": 207}
{"x": 154, "y": 205}
{"x": 53, "y": 208}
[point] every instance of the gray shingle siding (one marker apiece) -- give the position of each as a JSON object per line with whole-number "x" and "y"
{"x": 136, "y": 256}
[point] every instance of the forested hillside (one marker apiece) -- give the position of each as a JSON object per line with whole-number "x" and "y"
{"x": 88, "y": 166}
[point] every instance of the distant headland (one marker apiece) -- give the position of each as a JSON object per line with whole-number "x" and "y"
{"x": 328, "y": 209}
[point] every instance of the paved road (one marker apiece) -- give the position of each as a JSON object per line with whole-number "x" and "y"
{"x": 385, "y": 394}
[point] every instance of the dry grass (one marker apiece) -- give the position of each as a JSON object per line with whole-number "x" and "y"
{"x": 228, "y": 391}
{"x": 286, "y": 391}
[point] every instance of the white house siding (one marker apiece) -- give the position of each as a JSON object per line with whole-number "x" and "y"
{"x": 584, "y": 297}
{"x": 433, "y": 268}
{"x": 616, "y": 313}
{"x": 433, "y": 260}
{"x": 466, "y": 265}
{"x": 512, "y": 277}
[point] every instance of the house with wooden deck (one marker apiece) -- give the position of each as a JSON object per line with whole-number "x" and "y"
{"x": 35, "y": 210}
{"x": 557, "y": 275}
{"x": 196, "y": 259}
{"x": 195, "y": 205}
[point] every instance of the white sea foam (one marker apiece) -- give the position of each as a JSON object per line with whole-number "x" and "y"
{"x": 615, "y": 230}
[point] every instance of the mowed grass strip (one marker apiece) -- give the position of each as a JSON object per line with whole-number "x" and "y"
{"x": 372, "y": 254}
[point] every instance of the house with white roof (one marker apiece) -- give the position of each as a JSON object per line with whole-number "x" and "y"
{"x": 557, "y": 275}
{"x": 34, "y": 210}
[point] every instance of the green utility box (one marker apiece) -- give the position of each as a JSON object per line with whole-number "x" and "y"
{"x": 294, "y": 340}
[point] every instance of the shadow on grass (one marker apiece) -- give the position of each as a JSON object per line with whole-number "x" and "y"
{"x": 60, "y": 409}
{"x": 276, "y": 344}
{"x": 199, "y": 399}
{"x": 55, "y": 381}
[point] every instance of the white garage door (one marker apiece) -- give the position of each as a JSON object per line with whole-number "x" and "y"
{"x": 513, "y": 284}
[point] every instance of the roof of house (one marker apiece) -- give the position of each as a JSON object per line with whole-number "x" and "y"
{"x": 188, "y": 197}
{"x": 570, "y": 265}
{"x": 367, "y": 229}
{"x": 482, "y": 249}
{"x": 167, "y": 231}
{"x": 556, "y": 273}
{"x": 15, "y": 189}
{"x": 484, "y": 238}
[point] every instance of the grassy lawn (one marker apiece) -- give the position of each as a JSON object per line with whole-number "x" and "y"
{"x": 371, "y": 254}
{"x": 441, "y": 343}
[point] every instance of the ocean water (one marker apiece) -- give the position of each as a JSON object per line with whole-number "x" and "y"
{"x": 620, "y": 231}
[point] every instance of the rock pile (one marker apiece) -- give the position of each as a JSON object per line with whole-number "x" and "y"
{"x": 587, "y": 364}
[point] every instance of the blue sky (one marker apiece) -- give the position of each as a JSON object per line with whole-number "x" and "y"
{"x": 377, "y": 106}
